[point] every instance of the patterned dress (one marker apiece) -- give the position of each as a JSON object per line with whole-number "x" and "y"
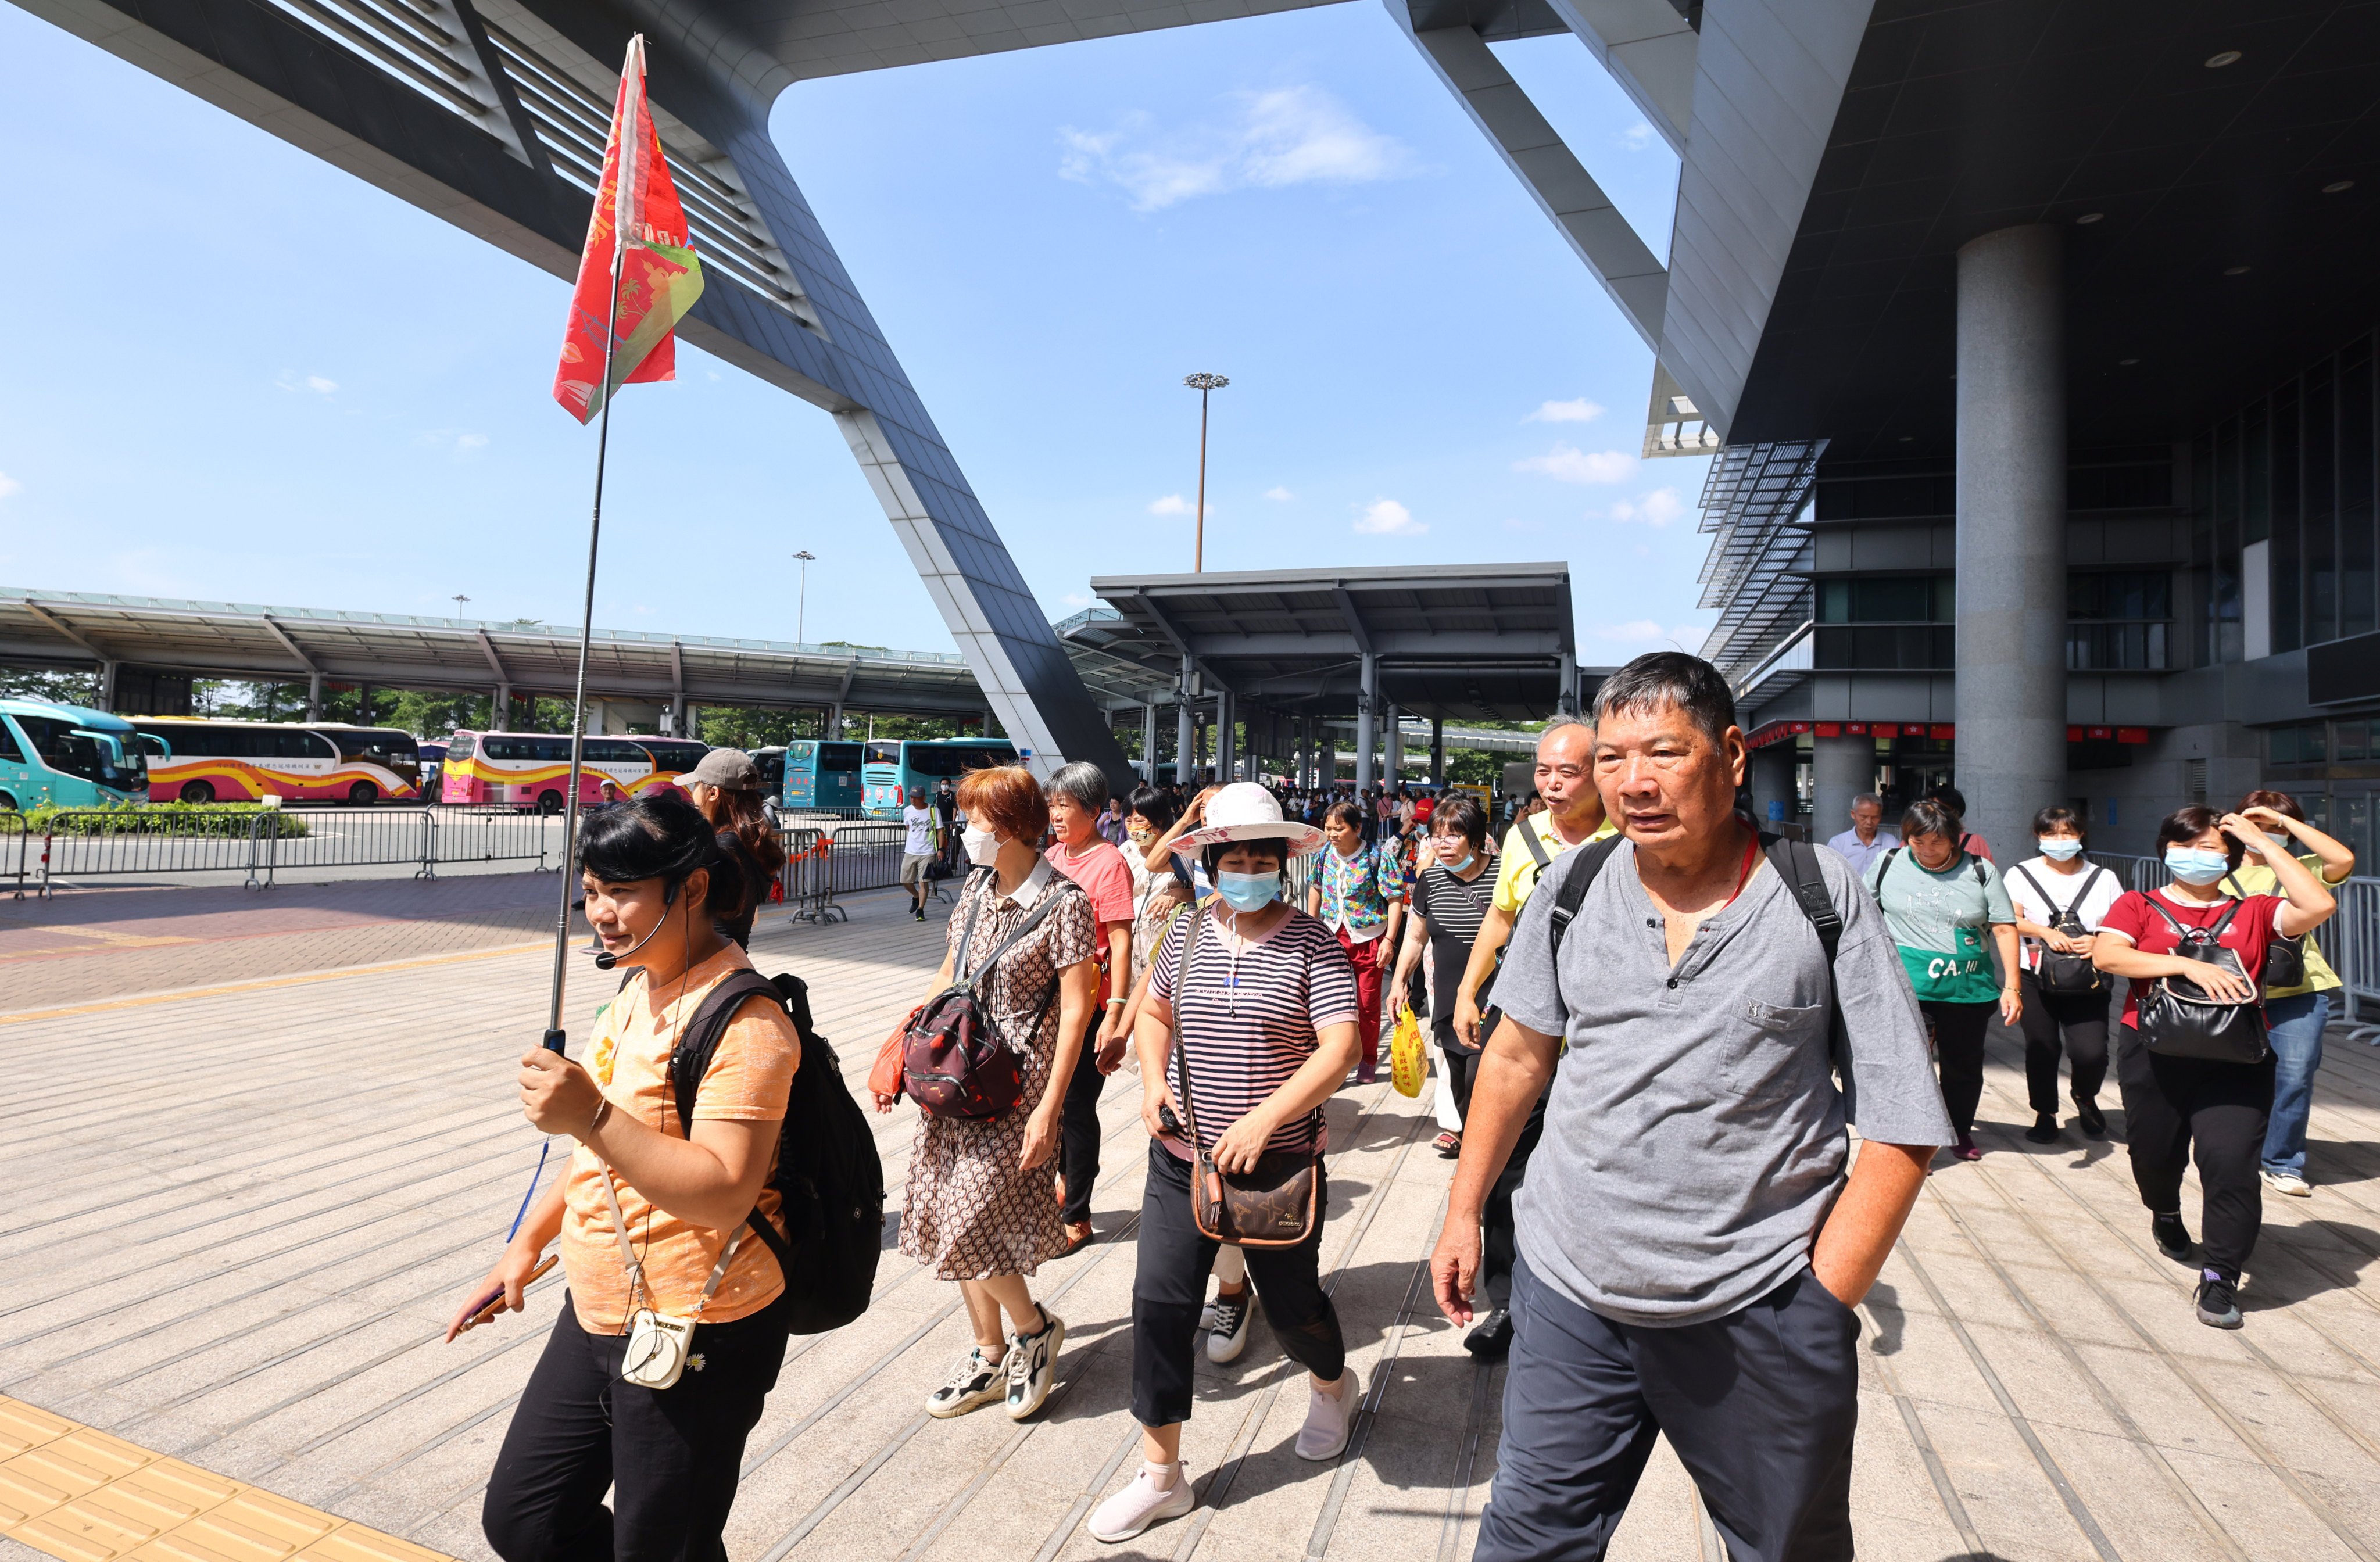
{"x": 969, "y": 1210}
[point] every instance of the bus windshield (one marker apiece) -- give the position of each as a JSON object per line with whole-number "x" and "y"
{"x": 843, "y": 758}
{"x": 954, "y": 759}
{"x": 68, "y": 750}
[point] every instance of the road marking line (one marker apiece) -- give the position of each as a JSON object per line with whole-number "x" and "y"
{"x": 267, "y": 983}
{"x": 84, "y": 1496}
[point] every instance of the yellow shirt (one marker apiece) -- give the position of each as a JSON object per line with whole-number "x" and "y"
{"x": 1516, "y": 874}
{"x": 2258, "y": 879}
{"x": 749, "y": 1078}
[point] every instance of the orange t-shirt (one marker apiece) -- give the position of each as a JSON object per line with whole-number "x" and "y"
{"x": 749, "y": 1079}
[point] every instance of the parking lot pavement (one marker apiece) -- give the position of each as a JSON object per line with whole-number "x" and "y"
{"x": 239, "y": 1218}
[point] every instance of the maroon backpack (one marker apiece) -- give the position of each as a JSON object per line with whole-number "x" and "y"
{"x": 954, "y": 1062}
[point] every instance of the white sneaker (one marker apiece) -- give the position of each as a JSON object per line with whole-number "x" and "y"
{"x": 2289, "y": 1182}
{"x": 1207, "y": 1319}
{"x": 976, "y": 1380}
{"x": 1227, "y": 1335}
{"x": 1033, "y": 1365}
{"x": 1329, "y": 1418}
{"x": 1141, "y": 1503}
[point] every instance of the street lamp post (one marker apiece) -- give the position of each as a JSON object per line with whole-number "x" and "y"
{"x": 459, "y": 600}
{"x": 1205, "y": 384}
{"x": 802, "y": 612}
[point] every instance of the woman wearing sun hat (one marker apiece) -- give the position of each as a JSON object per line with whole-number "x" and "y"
{"x": 1266, "y": 1018}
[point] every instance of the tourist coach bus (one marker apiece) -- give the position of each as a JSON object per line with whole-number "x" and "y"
{"x": 895, "y": 770}
{"x": 822, "y": 777}
{"x": 530, "y": 769}
{"x": 67, "y": 756}
{"x": 193, "y": 759}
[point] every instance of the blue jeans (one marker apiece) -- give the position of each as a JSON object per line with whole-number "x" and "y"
{"x": 2294, "y": 1026}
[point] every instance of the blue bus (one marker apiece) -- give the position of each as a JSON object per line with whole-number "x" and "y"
{"x": 820, "y": 776}
{"x": 67, "y": 756}
{"x": 896, "y": 768}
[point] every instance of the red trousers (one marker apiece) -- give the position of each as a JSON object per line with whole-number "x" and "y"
{"x": 1367, "y": 959}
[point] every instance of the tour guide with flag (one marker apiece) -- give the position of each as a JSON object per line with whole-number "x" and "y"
{"x": 658, "y": 1365}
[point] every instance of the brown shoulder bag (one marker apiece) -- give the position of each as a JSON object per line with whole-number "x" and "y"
{"x": 1272, "y": 1204}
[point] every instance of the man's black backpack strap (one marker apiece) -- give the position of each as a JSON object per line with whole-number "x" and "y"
{"x": 1536, "y": 847}
{"x": 1796, "y": 863}
{"x": 1571, "y": 894}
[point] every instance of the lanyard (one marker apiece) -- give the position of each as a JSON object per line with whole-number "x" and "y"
{"x": 636, "y": 1266}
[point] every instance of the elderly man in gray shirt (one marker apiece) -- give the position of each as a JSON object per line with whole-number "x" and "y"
{"x": 1690, "y": 1245}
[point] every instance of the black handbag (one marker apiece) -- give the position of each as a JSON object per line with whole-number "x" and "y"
{"x": 2178, "y": 1019}
{"x": 2284, "y": 957}
{"x": 2067, "y": 976}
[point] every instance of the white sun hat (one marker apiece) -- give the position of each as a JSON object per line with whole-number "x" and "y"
{"x": 1248, "y": 811}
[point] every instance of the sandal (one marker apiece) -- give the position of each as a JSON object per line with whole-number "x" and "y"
{"x": 1449, "y": 1145}
{"x": 1077, "y": 1238}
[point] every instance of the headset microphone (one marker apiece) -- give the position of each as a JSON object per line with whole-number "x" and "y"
{"x": 605, "y": 960}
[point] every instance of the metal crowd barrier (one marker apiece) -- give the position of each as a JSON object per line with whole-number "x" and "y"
{"x": 806, "y": 881}
{"x": 121, "y": 842}
{"x": 13, "y": 839}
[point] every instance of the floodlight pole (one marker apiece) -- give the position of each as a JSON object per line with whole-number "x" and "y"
{"x": 802, "y": 612}
{"x": 1205, "y": 384}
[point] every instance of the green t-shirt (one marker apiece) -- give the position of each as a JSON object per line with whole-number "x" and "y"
{"x": 1940, "y": 920}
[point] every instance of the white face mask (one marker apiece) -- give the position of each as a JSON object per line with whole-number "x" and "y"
{"x": 982, "y": 846}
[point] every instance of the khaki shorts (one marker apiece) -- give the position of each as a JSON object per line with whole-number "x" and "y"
{"x": 913, "y": 866}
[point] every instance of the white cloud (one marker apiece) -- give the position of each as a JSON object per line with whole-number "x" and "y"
{"x": 1656, "y": 509}
{"x": 314, "y": 382}
{"x": 1075, "y": 600}
{"x": 1578, "y": 410}
{"x": 470, "y": 441}
{"x": 1567, "y": 463}
{"x": 455, "y": 441}
{"x": 1515, "y": 524}
{"x": 1386, "y": 517}
{"x": 1637, "y": 137}
{"x": 1265, "y": 140}
{"x": 9, "y": 485}
{"x": 1279, "y": 495}
{"x": 1173, "y": 504}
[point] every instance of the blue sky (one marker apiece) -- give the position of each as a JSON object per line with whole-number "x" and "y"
{"x": 248, "y": 376}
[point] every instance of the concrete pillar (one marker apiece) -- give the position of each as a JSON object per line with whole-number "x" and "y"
{"x": 1569, "y": 700}
{"x": 1185, "y": 727}
{"x": 1227, "y": 738}
{"x": 1773, "y": 801}
{"x": 107, "y": 685}
{"x": 1149, "y": 741}
{"x": 1438, "y": 750}
{"x": 1396, "y": 755}
{"x": 315, "y": 697}
{"x": 2012, "y": 535}
{"x": 1327, "y": 770}
{"x": 677, "y": 716}
{"x": 499, "y": 716}
{"x": 834, "y": 720}
{"x": 1367, "y": 705}
{"x": 1840, "y": 769}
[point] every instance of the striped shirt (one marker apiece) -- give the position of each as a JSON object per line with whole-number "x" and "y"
{"x": 1454, "y": 911}
{"x": 1249, "y": 1023}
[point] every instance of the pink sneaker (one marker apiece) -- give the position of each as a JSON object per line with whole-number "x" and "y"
{"x": 1142, "y": 1504}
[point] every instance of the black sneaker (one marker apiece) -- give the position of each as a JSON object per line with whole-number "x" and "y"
{"x": 2172, "y": 1238}
{"x": 2090, "y": 1118}
{"x": 1490, "y": 1338}
{"x": 2044, "y": 1130}
{"x": 2219, "y": 1301}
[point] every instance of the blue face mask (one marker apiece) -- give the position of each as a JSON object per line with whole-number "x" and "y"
{"x": 2059, "y": 851}
{"x": 1247, "y": 891}
{"x": 1464, "y": 865}
{"x": 2195, "y": 865}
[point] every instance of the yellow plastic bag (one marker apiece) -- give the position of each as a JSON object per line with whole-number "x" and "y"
{"x": 1408, "y": 1065}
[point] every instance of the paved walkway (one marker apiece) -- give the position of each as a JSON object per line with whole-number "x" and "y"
{"x": 239, "y": 1220}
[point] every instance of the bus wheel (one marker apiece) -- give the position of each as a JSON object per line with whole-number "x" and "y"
{"x": 7, "y": 803}
{"x": 362, "y": 792}
{"x": 549, "y": 801}
{"x": 198, "y": 791}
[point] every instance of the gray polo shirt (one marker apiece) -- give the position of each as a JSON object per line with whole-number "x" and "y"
{"x": 1695, "y": 1136}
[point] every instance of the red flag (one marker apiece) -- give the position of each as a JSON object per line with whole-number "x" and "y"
{"x": 639, "y": 229}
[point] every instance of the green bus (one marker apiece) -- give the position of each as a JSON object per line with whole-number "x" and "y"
{"x": 67, "y": 756}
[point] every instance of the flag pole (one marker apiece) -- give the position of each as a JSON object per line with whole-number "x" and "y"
{"x": 553, "y": 1031}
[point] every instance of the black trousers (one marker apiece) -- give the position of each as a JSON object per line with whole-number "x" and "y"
{"x": 2081, "y": 1021}
{"x": 1959, "y": 1055}
{"x": 1169, "y": 1288}
{"x": 1760, "y": 1406}
{"x": 1459, "y": 1068}
{"x": 1078, "y": 1131}
{"x": 2174, "y": 1104}
{"x": 669, "y": 1456}
{"x": 1498, "y": 1248}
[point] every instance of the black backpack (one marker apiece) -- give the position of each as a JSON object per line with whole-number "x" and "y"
{"x": 2176, "y": 1018}
{"x": 2067, "y": 976}
{"x": 2284, "y": 957}
{"x": 828, "y": 1175}
{"x": 1796, "y": 863}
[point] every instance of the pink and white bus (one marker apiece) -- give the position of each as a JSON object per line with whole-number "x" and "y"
{"x": 193, "y": 760}
{"x": 531, "y": 770}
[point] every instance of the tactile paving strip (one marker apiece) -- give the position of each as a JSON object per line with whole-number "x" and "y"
{"x": 84, "y": 1496}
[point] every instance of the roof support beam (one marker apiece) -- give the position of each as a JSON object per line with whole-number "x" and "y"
{"x": 1649, "y": 49}
{"x": 1354, "y": 621}
{"x": 68, "y": 630}
{"x": 495, "y": 663}
{"x": 1602, "y": 237}
{"x": 304, "y": 662}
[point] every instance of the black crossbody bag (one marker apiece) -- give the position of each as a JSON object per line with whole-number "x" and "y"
{"x": 2176, "y": 1018}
